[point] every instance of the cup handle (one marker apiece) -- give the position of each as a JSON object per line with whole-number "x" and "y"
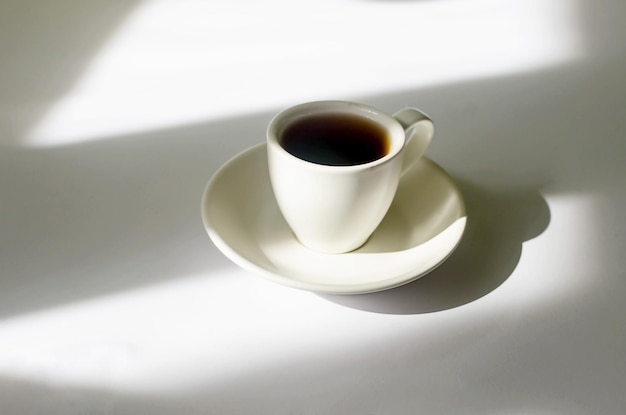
{"x": 419, "y": 130}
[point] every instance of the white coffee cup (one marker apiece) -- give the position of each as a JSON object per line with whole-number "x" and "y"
{"x": 335, "y": 208}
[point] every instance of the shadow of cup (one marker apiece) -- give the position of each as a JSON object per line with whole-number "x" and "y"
{"x": 499, "y": 222}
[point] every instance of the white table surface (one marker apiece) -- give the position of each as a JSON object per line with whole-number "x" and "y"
{"x": 115, "y": 114}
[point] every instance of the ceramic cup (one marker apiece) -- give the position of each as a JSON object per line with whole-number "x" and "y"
{"x": 331, "y": 205}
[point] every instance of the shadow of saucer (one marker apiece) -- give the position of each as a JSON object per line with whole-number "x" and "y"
{"x": 499, "y": 221}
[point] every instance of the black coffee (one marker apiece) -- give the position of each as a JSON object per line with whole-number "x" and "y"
{"x": 336, "y": 139}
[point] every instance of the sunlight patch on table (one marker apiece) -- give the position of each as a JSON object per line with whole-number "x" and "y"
{"x": 175, "y": 63}
{"x": 168, "y": 337}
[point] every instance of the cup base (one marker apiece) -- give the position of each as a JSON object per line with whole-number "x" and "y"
{"x": 336, "y": 250}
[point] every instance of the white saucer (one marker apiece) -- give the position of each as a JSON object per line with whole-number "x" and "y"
{"x": 424, "y": 225}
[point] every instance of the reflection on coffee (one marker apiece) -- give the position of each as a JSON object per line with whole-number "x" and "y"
{"x": 336, "y": 139}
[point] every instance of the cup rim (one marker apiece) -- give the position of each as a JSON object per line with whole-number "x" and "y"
{"x": 395, "y": 130}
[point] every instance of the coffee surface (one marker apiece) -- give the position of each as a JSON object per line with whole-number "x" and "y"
{"x": 336, "y": 139}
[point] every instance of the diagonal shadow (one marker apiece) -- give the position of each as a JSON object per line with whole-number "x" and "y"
{"x": 99, "y": 217}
